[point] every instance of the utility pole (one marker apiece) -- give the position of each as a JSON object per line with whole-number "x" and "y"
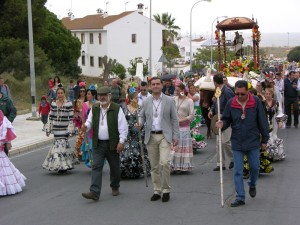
{"x": 31, "y": 57}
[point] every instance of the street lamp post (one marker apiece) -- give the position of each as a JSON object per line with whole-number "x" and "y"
{"x": 31, "y": 60}
{"x": 150, "y": 40}
{"x": 191, "y": 51}
{"x": 126, "y": 5}
{"x": 211, "y": 39}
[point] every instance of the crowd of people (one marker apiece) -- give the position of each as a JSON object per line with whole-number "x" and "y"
{"x": 151, "y": 127}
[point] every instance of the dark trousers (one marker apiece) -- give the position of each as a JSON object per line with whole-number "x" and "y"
{"x": 101, "y": 153}
{"x": 288, "y": 102}
{"x": 44, "y": 119}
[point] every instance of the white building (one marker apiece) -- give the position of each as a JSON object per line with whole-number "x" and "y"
{"x": 122, "y": 37}
{"x": 184, "y": 46}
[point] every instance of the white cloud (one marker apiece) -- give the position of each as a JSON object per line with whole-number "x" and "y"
{"x": 273, "y": 16}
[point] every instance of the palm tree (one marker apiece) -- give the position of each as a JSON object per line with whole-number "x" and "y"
{"x": 171, "y": 31}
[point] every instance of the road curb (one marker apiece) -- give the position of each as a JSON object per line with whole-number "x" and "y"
{"x": 29, "y": 147}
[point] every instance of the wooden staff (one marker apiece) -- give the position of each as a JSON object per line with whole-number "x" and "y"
{"x": 218, "y": 94}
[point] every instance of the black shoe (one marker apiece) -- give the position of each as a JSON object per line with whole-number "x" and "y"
{"x": 218, "y": 168}
{"x": 231, "y": 165}
{"x": 90, "y": 195}
{"x": 155, "y": 197}
{"x": 115, "y": 192}
{"x": 165, "y": 197}
{"x": 296, "y": 126}
{"x": 62, "y": 171}
{"x": 252, "y": 192}
{"x": 287, "y": 126}
{"x": 237, "y": 203}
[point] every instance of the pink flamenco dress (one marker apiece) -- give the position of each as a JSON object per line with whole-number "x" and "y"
{"x": 11, "y": 180}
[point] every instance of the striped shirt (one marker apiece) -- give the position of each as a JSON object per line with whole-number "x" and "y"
{"x": 60, "y": 118}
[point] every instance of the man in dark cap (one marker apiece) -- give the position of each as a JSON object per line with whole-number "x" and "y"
{"x": 109, "y": 134}
{"x": 168, "y": 88}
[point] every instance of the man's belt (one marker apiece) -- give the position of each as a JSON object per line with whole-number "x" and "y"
{"x": 157, "y": 132}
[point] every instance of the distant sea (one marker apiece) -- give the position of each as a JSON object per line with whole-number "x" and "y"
{"x": 274, "y": 39}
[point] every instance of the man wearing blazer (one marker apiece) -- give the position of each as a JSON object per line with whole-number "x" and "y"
{"x": 159, "y": 117}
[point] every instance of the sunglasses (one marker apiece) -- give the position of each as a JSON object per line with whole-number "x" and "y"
{"x": 143, "y": 90}
{"x": 240, "y": 94}
{"x": 82, "y": 90}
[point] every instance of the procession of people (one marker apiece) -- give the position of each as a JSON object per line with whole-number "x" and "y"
{"x": 155, "y": 135}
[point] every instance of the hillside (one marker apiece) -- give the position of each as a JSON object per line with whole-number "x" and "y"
{"x": 278, "y": 52}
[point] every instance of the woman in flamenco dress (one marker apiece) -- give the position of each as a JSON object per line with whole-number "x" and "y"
{"x": 11, "y": 179}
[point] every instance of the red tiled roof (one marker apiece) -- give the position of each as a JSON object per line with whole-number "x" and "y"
{"x": 92, "y": 21}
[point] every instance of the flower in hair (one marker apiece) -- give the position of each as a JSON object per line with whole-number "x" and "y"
{"x": 133, "y": 84}
{"x": 177, "y": 82}
{"x": 132, "y": 90}
{"x": 82, "y": 84}
{"x": 93, "y": 87}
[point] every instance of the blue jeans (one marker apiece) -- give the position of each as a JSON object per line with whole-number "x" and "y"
{"x": 253, "y": 159}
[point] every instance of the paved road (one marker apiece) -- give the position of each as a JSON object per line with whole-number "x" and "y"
{"x": 195, "y": 199}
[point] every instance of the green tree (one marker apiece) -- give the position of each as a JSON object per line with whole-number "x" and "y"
{"x": 61, "y": 47}
{"x": 203, "y": 57}
{"x": 14, "y": 18}
{"x": 294, "y": 55}
{"x": 171, "y": 31}
{"x": 120, "y": 71}
{"x": 133, "y": 62}
{"x": 15, "y": 59}
{"x": 171, "y": 52}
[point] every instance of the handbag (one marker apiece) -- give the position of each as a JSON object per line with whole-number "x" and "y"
{"x": 71, "y": 128}
{"x": 48, "y": 127}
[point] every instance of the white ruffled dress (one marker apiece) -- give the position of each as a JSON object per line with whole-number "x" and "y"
{"x": 11, "y": 180}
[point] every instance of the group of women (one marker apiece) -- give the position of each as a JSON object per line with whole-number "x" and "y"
{"x": 272, "y": 102}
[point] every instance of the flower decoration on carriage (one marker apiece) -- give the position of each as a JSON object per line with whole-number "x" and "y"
{"x": 217, "y": 35}
{"x": 93, "y": 87}
{"x": 82, "y": 84}
{"x": 236, "y": 67}
{"x": 255, "y": 35}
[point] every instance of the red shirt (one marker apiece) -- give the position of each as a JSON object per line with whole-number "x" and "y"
{"x": 50, "y": 84}
{"x": 44, "y": 109}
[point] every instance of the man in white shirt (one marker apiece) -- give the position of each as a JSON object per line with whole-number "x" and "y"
{"x": 143, "y": 93}
{"x": 279, "y": 82}
{"x": 159, "y": 116}
{"x": 110, "y": 131}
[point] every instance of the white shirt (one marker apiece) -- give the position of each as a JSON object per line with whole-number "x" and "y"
{"x": 103, "y": 128}
{"x": 156, "y": 105}
{"x": 197, "y": 103}
{"x": 298, "y": 85}
{"x": 279, "y": 84}
{"x": 142, "y": 98}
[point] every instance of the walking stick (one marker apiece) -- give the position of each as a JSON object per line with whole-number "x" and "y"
{"x": 142, "y": 155}
{"x": 218, "y": 94}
